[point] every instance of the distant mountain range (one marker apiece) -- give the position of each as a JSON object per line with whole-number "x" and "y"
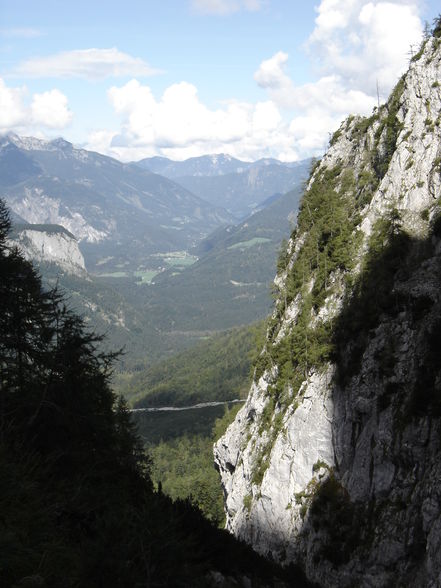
{"x": 164, "y": 267}
{"x": 121, "y": 214}
{"x": 124, "y": 215}
{"x": 206, "y": 165}
{"x": 239, "y": 186}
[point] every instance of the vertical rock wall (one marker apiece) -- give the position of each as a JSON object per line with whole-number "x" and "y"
{"x": 334, "y": 461}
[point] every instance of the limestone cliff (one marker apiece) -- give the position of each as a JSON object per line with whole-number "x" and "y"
{"x": 50, "y": 244}
{"x": 334, "y": 462}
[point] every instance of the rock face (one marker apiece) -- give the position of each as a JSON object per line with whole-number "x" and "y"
{"x": 334, "y": 462}
{"x": 50, "y": 244}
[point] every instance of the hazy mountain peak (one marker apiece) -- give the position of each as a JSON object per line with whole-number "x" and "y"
{"x": 25, "y": 143}
{"x": 60, "y": 143}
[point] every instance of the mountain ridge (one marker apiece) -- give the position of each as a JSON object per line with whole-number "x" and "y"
{"x": 242, "y": 187}
{"x": 205, "y": 165}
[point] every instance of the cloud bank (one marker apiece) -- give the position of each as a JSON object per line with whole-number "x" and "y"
{"x": 179, "y": 125}
{"x": 355, "y": 47}
{"x": 365, "y": 42}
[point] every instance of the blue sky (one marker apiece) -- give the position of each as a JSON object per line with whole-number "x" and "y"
{"x": 250, "y": 78}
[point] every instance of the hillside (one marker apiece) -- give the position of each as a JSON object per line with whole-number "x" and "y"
{"x": 51, "y": 244}
{"x": 242, "y": 193}
{"x": 74, "y": 475}
{"x": 334, "y": 461}
{"x": 56, "y": 254}
{"x": 152, "y": 298}
{"x": 230, "y": 283}
{"x": 217, "y": 369}
{"x": 233, "y": 262}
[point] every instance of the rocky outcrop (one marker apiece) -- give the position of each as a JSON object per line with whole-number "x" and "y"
{"x": 50, "y": 244}
{"x": 334, "y": 462}
{"x": 37, "y": 207}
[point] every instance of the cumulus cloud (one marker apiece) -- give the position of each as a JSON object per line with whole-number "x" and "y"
{"x": 48, "y": 110}
{"x": 317, "y": 107}
{"x": 271, "y": 73}
{"x": 12, "y": 112}
{"x": 180, "y": 118}
{"x": 329, "y": 93}
{"x": 355, "y": 44}
{"x": 91, "y": 64}
{"x": 365, "y": 42}
{"x": 358, "y": 45}
{"x": 179, "y": 125}
{"x": 223, "y": 7}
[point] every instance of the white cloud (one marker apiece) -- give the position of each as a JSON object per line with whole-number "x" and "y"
{"x": 48, "y": 110}
{"x": 365, "y": 42}
{"x": 179, "y": 125}
{"x": 317, "y": 107}
{"x": 180, "y": 118}
{"x": 266, "y": 116}
{"x": 91, "y": 64}
{"x": 271, "y": 72}
{"x": 100, "y": 140}
{"x": 223, "y": 7}
{"x": 12, "y": 112}
{"x": 355, "y": 43}
{"x": 309, "y": 133}
{"x": 333, "y": 15}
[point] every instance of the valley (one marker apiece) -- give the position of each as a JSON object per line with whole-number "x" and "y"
{"x": 152, "y": 293}
{"x": 220, "y": 294}
{"x": 185, "y": 319}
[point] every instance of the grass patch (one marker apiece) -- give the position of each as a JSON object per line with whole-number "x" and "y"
{"x": 145, "y": 275}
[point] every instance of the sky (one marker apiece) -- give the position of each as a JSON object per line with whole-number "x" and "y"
{"x": 183, "y": 78}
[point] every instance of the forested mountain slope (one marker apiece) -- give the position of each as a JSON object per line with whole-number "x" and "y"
{"x": 243, "y": 193}
{"x": 217, "y": 369}
{"x": 77, "y": 505}
{"x": 230, "y": 283}
{"x": 334, "y": 462}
